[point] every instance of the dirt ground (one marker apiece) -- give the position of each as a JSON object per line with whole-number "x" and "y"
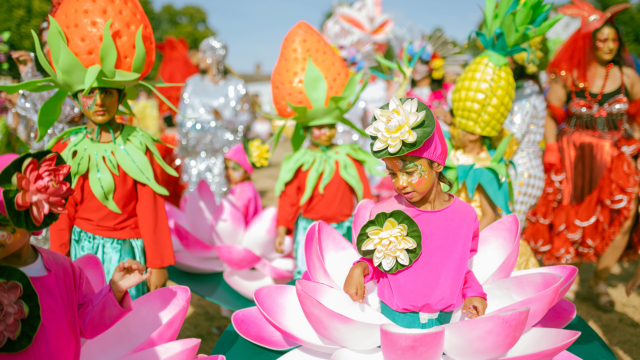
{"x": 620, "y": 329}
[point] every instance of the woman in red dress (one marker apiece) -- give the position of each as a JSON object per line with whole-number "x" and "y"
{"x": 588, "y": 208}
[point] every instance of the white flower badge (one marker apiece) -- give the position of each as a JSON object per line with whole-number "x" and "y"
{"x": 394, "y": 126}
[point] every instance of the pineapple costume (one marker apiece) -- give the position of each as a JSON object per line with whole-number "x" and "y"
{"x": 114, "y": 217}
{"x": 482, "y": 99}
{"x": 311, "y": 85}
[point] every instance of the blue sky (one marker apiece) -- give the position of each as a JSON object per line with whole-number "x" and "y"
{"x": 254, "y": 29}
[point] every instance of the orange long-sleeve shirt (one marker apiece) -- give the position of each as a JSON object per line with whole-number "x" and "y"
{"x": 334, "y": 206}
{"x": 143, "y": 216}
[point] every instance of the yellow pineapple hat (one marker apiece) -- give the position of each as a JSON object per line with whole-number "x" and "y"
{"x": 483, "y": 95}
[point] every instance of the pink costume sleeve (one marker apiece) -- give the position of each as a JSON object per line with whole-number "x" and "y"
{"x": 97, "y": 312}
{"x": 471, "y": 286}
{"x": 247, "y": 199}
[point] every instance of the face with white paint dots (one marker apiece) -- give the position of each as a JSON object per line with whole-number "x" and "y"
{"x": 234, "y": 173}
{"x": 413, "y": 177}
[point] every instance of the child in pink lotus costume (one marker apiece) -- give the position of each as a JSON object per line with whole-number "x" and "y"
{"x": 47, "y": 303}
{"x": 418, "y": 243}
{"x": 239, "y": 162}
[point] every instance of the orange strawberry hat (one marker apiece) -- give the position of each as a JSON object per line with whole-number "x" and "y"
{"x": 311, "y": 83}
{"x": 92, "y": 44}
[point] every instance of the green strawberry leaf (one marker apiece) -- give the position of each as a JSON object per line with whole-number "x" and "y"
{"x": 140, "y": 57}
{"x": 108, "y": 52}
{"x": 315, "y": 86}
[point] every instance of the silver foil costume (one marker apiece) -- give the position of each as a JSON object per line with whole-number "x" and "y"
{"x": 526, "y": 123}
{"x": 215, "y": 118}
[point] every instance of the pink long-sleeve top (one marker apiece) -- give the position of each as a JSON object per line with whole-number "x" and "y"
{"x": 247, "y": 198}
{"x": 440, "y": 279}
{"x": 70, "y": 310}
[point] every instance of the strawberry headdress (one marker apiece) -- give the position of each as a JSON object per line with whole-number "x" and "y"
{"x": 92, "y": 44}
{"x": 311, "y": 83}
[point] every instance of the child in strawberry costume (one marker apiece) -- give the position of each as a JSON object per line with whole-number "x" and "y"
{"x": 311, "y": 85}
{"x": 114, "y": 217}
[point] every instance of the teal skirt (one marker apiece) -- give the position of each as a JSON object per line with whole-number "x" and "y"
{"x": 299, "y": 234}
{"x": 411, "y": 320}
{"x": 111, "y": 252}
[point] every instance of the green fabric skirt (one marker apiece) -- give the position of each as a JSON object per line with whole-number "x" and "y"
{"x": 411, "y": 320}
{"x": 111, "y": 252}
{"x": 299, "y": 234}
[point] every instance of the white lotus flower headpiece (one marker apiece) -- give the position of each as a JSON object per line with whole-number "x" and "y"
{"x": 394, "y": 126}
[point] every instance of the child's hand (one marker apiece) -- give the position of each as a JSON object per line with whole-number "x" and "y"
{"x": 474, "y": 306}
{"x": 354, "y": 284}
{"x": 634, "y": 282}
{"x": 279, "y": 242}
{"x": 127, "y": 275}
{"x": 158, "y": 278}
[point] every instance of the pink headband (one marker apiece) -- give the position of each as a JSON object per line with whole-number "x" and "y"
{"x": 5, "y": 160}
{"x": 237, "y": 154}
{"x": 434, "y": 148}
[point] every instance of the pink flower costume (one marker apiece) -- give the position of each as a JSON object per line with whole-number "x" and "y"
{"x": 244, "y": 194}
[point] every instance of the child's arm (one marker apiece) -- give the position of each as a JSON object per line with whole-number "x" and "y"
{"x": 354, "y": 284}
{"x": 475, "y": 299}
{"x": 288, "y": 208}
{"x": 127, "y": 275}
{"x": 489, "y": 215}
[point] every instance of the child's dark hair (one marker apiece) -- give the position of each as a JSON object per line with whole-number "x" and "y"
{"x": 442, "y": 178}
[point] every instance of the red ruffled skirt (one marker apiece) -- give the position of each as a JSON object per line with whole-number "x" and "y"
{"x": 586, "y": 201}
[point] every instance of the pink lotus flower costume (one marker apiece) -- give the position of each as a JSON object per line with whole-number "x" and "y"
{"x": 12, "y": 310}
{"x": 210, "y": 237}
{"x": 524, "y": 319}
{"x": 42, "y": 187}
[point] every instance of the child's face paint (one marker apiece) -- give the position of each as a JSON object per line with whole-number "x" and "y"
{"x": 323, "y": 135}
{"x": 11, "y": 240}
{"x": 607, "y": 44}
{"x": 412, "y": 176}
{"x": 100, "y": 105}
{"x": 234, "y": 173}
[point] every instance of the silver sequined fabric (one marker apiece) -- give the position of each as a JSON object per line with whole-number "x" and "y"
{"x": 215, "y": 118}
{"x": 526, "y": 123}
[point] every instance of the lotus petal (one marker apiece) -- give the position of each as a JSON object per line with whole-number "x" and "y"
{"x": 411, "y": 344}
{"x": 535, "y": 291}
{"x": 333, "y": 315}
{"x": 280, "y": 307}
{"x": 192, "y": 243}
{"x": 279, "y": 269}
{"x": 541, "y": 344}
{"x": 251, "y": 325}
{"x": 207, "y": 197}
{"x": 177, "y": 246}
{"x": 497, "y": 250}
{"x": 211, "y": 357}
{"x": 246, "y": 282}
{"x": 565, "y": 355}
{"x": 568, "y": 273}
{"x": 336, "y": 255}
{"x": 237, "y": 257}
{"x": 229, "y": 225}
{"x": 184, "y": 349}
{"x": 288, "y": 245}
{"x": 360, "y": 217}
{"x": 308, "y": 249}
{"x": 173, "y": 215}
{"x": 348, "y": 354}
{"x": 261, "y": 234}
{"x": 468, "y": 340}
{"x": 303, "y": 353}
{"x": 559, "y": 316}
{"x": 92, "y": 267}
{"x": 156, "y": 318}
{"x": 305, "y": 276}
{"x": 198, "y": 218}
{"x": 188, "y": 262}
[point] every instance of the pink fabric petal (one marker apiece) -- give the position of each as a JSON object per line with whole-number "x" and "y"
{"x": 156, "y": 318}
{"x": 237, "y": 257}
{"x": 184, "y": 349}
{"x": 37, "y": 212}
{"x": 308, "y": 248}
{"x": 281, "y": 269}
{"x": 567, "y": 272}
{"x": 497, "y": 250}
{"x": 229, "y": 226}
{"x": 337, "y": 254}
{"x": 565, "y": 355}
{"x": 411, "y": 344}
{"x": 207, "y": 197}
{"x": 92, "y": 267}
{"x": 261, "y": 234}
{"x": 559, "y": 316}
{"x": 333, "y": 315}
{"x": 535, "y": 291}
{"x": 174, "y": 215}
{"x": 541, "y": 344}
{"x": 349, "y": 354}
{"x": 186, "y": 261}
{"x": 192, "y": 243}
{"x": 360, "y": 217}
{"x": 198, "y": 218}
{"x": 303, "y": 353}
{"x": 280, "y": 307}
{"x": 469, "y": 339}
{"x": 251, "y": 325}
{"x": 246, "y": 282}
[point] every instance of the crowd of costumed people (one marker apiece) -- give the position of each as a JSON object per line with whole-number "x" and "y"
{"x": 436, "y": 200}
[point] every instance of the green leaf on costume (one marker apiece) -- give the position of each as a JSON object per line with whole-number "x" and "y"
{"x": 36, "y": 85}
{"x": 140, "y": 57}
{"x": 315, "y": 85}
{"x": 50, "y": 112}
{"x": 108, "y": 52}
{"x": 500, "y": 150}
{"x": 101, "y": 180}
{"x": 41, "y": 58}
{"x": 90, "y": 79}
{"x": 298, "y": 137}
{"x": 30, "y": 325}
{"x": 368, "y": 245}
